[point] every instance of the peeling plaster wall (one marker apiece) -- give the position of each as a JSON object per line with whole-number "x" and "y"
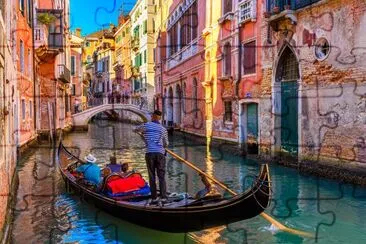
{"x": 332, "y": 92}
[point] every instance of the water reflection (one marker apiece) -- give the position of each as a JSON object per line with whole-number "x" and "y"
{"x": 44, "y": 212}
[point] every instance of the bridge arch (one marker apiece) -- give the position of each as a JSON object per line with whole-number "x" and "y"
{"x": 82, "y": 119}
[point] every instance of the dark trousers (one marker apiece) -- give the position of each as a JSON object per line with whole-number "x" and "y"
{"x": 156, "y": 163}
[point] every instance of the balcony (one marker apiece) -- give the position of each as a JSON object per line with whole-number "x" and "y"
{"x": 135, "y": 43}
{"x": 49, "y": 38}
{"x": 277, "y": 6}
{"x": 135, "y": 71}
{"x": 63, "y": 73}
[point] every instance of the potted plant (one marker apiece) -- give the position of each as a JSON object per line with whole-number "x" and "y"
{"x": 46, "y": 18}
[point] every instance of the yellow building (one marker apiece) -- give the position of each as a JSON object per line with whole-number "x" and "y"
{"x": 98, "y": 59}
{"x": 142, "y": 45}
{"x": 122, "y": 64}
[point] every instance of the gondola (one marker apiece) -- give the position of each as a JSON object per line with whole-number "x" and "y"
{"x": 181, "y": 216}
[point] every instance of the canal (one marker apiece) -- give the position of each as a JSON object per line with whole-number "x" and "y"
{"x": 45, "y": 212}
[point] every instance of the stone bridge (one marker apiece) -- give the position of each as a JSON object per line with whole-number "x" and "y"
{"x": 81, "y": 119}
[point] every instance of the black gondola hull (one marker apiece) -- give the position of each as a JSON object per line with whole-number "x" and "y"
{"x": 180, "y": 219}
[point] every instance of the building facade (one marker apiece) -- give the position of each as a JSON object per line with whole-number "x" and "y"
{"x": 122, "y": 64}
{"x": 183, "y": 72}
{"x": 8, "y": 105}
{"x": 78, "y": 96}
{"x": 52, "y": 65}
{"x": 313, "y": 86}
{"x": 142, "y": 45}
{"x": 25, "y": 78}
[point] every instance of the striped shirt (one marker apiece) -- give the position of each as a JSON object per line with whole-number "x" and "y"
{"x": 155, "y": 136}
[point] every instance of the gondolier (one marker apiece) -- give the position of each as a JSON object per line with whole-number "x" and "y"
{"x": 156, "y": 139}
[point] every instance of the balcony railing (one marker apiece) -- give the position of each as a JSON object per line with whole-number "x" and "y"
{"x": 50, "y": 35}
{"x": 63, "y": 73}
{"x": 276, "y": 6}
{"x": 135, "y": 71}
{"x": 135, "y": 43}
{"x": 41, "y": 36}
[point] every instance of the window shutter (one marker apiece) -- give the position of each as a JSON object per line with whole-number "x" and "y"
{"x": 249, "y": 58}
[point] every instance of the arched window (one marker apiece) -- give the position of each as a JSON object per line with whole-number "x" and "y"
{"x": 227, "y": 6}
{"x": 195, "y": 98}
{"x": 184, "y": 95}
{"x": 227, "y": 59}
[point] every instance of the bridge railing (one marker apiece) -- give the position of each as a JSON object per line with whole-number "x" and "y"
{"x": 140, "y": 102}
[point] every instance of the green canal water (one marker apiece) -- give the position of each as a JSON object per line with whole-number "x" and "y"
{"x": 46, "y": 213}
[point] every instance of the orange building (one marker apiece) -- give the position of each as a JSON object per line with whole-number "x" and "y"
{"x": 25, "y": 79}
{"x": 53, "y": 65}
{"x": 78, "y": 87}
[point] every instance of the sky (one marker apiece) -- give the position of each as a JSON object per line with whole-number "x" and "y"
{"x": 92, "y": 15}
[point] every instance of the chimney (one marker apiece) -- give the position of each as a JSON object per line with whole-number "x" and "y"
{"x": 78, "y": 32}
{"x": 111, "y": 26}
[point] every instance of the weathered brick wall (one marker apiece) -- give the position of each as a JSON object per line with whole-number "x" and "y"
{"x": 332, "y": 91}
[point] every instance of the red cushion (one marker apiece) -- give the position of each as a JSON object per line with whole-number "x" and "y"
{"x": 132, "y": 183}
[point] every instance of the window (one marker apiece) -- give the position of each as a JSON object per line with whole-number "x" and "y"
{"x": 87, "y": 44}
{"x": 21, "y": 55}
{"x": 184, "y": 97}
{"x": 21, "y": 6}
{"x": 73, "y": 65}
{"x": 228, "y": 111}
{"x": 73, "y": 91}
{"x": 138, "y": 60}
{"x": 145, "y": 26}
{"x": 118, "y": 39}
{"x": 145, "y": 57}
{"x": 321, "y": 49}
{"x": 23, "y": 109}
{"x": 184, "y": 30}
{"x": 227, "y": 6}
{"x": 107, "y": 64}
{"x": 29, "y": 62}
{"x": 37, "y": 35}
{"x": 247, "y": 10}
{"x": 195, "y": 98}
{"x": 136, "y": 31}
{"x": 30, "y": 109}
{"x": 194, "y": 20}
{"x": 29, "y": 11}
{"x": 249, "y": 58}
{"x": 67, "y": 108}
{"x": 227, "y": 59}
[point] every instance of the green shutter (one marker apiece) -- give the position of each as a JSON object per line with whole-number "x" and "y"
{"x": 145, "y": 26}
{"x": 145, "y": 58}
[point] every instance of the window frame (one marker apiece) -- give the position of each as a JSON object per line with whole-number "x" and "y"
{"x": 21, "y": 56}
{"x": 73, "y": 65}
{"x": 228, "y": 111}
{"x": 23, "y": 109}
{"x": 247, "y": 42}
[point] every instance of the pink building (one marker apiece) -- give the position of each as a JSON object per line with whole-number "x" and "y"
{"x": 179, "y": 52}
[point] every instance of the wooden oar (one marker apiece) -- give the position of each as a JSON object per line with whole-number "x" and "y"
{"x": 263, "y": 214}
